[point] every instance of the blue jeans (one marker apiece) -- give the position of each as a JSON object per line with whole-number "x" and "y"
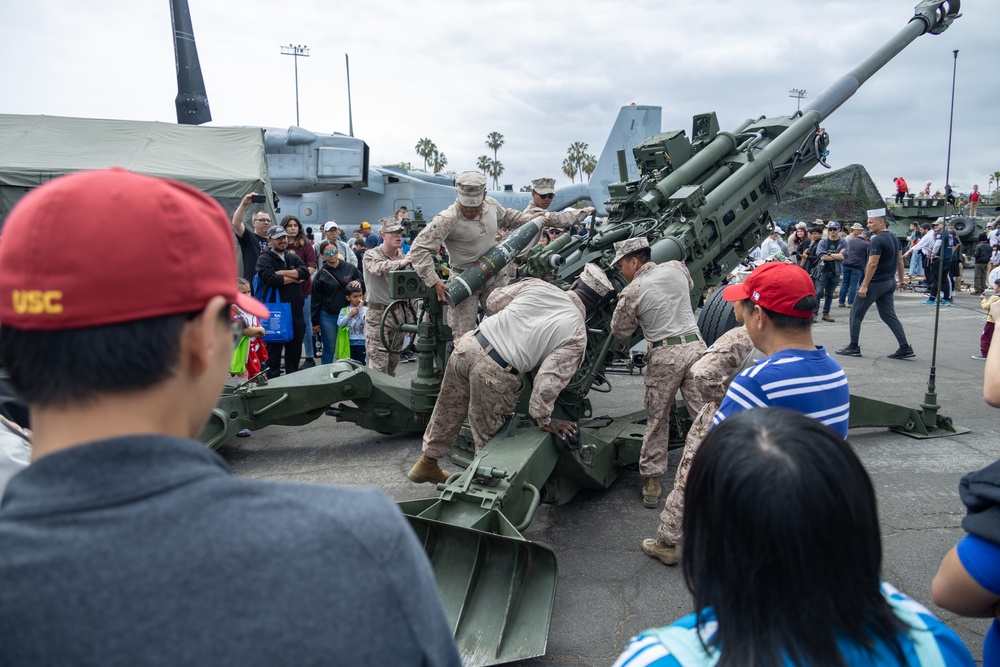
{"x": 328, "y": 330}
{"x": 916, "y": 264}
{"x": 852, "y": 278}
{"x": 825, "y": 285}
{"x": 308, "y": 340}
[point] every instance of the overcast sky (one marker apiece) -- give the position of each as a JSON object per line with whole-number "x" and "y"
{"x": 544, "y": 74}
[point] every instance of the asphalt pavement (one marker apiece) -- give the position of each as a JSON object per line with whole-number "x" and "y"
{"x": 608, "y": 591}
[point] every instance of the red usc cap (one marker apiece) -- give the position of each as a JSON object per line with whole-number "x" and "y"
{"x": 110, "y": 246}
{"x": 776, "y": 286}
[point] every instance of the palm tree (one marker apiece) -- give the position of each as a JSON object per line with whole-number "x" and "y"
{"x": 996, "y": 181}
{"x": 425, "y": 148}
{"x": 483, "y": 164}
{"x": 494, "y": 140}
{"x": 496, "y": 169}
{"x": 577, "y": 152}
{"x": 438, "y": 161}
{"x": 589, "y": 165}
{"x": 569, "y": 168}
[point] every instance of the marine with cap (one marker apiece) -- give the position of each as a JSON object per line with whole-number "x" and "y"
{"x": 279, "y": 269}
{"x": 468, "y": 228}
{"x": 483, "y": 378}
{"x": 543, "y": 190}
{"x": 884, "y": 274}
{"x": 113, "y": 536}
{"x": 658, "y": 301}
{"x": 378, "y": 262}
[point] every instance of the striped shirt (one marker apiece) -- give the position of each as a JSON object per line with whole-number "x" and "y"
{"x": 927, "y": 642}
{"x": 807, "y": 381}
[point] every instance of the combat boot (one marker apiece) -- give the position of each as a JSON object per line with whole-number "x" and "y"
{"x": 651, "y": 492}
{"x": 665, "y": 553}
{"x": 427, "y": 469}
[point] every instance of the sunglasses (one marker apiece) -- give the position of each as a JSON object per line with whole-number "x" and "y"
{"x": 548, "y": 196}
{"x": 329, "y": 253}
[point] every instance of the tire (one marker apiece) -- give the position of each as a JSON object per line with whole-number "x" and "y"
{"x": 963, "y": 226}
{"x": 716, "y": 318}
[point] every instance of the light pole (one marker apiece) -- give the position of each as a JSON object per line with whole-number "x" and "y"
{"x": 798, "y": 95}
{"x": 297, "y": 51}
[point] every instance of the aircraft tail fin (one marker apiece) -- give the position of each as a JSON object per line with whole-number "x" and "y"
{"x": 634, "y": 124}
{"x": 192, "y": 99}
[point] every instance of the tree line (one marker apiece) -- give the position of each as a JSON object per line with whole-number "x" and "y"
{"x": 578, "y": 161}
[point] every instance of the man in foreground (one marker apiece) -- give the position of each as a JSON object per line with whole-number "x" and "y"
{"x": 126, "y": 542}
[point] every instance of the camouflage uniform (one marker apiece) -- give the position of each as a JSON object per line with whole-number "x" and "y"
{"x": 720, "y": 363}
{"x": 377, "y": 266}
{"x": 475, "y": 385}
{"x": 662, "y": 308}
{"x": 466, "y": 240}
{"x": 672, "y": 516}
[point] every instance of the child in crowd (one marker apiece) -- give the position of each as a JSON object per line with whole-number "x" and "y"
{"x": 352, "y": 318}
{"x": 987, "y": 337}
{"x": 256, "y": 353}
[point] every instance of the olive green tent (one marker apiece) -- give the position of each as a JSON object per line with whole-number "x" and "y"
{"x": 224, "y": 162}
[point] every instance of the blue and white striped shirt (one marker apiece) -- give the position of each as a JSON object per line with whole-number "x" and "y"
{"x": 807, "y": 381}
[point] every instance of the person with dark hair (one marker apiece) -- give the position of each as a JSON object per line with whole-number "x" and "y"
{"x": 484, "y": 375}
{"x": 251, "y": 245}
{"x": 884, "y": 274}
{"x": 281, "y": 269}
{"x": 333, "y": 283}
{"x": 982, "y": 255}
{"x": 303, "y": 248}
{"x": 831, "y": 260}
{"x": 783, "y": 557}
{"x": 112, "y": 538}
{"x": 776, "y": 303}
{"x": 657, "y": 300}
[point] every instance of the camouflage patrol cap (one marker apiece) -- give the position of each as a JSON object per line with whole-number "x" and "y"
{"x": 471, "y": 188}
{"x": 544, "y": 186}
{"x": 628, "y": 246}
{"x": 390, "y": 225}
{"x": 594, "y": 278}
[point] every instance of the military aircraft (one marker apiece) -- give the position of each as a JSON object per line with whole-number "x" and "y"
{"x": 321, "y": 177}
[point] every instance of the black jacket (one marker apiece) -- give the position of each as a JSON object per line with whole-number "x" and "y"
{"x": 983, "y": 252}
{"x": 330, "y": 288}
{"x": 267, "y": 266}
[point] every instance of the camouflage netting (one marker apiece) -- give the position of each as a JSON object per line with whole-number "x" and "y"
{"x": 842, "y": 194}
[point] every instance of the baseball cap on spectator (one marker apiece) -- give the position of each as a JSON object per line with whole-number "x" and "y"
{"x": 833, "y": 225}
{"x": 276, "y": 232}
{"x": 365, "y": 225}
{"x": 128, "y": 212}
{"x": 330, "y": 225}
{"x": 776, "y": 286}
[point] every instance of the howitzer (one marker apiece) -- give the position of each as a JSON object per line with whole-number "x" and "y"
{"x": 703, "y": 201}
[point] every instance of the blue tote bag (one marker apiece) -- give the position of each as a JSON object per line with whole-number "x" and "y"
{"x": 278, "y": 326}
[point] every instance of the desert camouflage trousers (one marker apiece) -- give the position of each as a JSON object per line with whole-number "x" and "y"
{"x": 668, "y": 368}
{"x": 474, "y": 386}
{"x": 672, "y": 516}
{"x": 720, "y": 363}
{"x": 378, "y": 358}
{"x": 462, "y": 318}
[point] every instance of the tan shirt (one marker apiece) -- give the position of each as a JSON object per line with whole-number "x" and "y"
{"x": 377, "y": 266}
{"x": 658, "y": 300}
{"x": 538, "y": 325}
{"x": 465, "y": 239}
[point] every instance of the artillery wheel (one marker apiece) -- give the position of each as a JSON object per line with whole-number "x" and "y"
{"x": 398, "y": 312}
{"x": 963, "y": 226}
{"x": 716, "y": 318}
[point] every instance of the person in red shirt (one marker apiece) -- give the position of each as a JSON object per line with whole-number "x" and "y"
{"x": 901, "y": 189}
{"x": 974, "y": 201}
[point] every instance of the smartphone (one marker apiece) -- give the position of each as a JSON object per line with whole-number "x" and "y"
{"x": 258, "y": 199}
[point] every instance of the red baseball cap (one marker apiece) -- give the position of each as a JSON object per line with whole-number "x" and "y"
{"x": 111, "y": 246}
{"x": 776, "y": 286}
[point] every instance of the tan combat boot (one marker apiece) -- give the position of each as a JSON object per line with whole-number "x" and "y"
{"x": 427, "y": 470}
{"x": 665, "y": 553}
{"x": 651, "y": 492}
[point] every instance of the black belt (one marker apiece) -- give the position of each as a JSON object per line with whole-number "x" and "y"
{"x": 493, "y": 354}
{"x": 673, "y": 340}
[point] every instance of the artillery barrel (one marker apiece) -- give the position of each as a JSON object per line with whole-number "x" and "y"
{"x": 492, "y": 262}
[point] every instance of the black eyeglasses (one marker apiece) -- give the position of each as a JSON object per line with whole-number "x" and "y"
{"x": 541, "y": 196}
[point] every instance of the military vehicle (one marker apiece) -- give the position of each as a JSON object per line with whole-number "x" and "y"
{"x": 927, "y": 209}
{"x": 702, "y": 199}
